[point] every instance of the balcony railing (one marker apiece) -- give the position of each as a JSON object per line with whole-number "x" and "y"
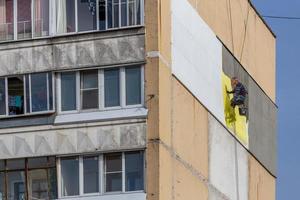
{"x": 6, "y": 31}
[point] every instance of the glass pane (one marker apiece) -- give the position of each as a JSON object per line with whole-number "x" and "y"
{"x": 109, "y": 13}
{"x": 89, "y": 99}
{"x": 89, "y": 79}
{"x": 113, "y": 182}
{"x": 132, "y": 12}
{"x": 15, "y": 164}
{"x": 138, "y": 6}
{"x": 89, "y": 89}
{"x": 133, "y": 86}
{"x": 134, "y": 171}
{"x": 39, "y": 100}
{"x": 116, "y": 13}
{"x": 52, "y": 183}
{"x": 6, "y": 20}
{"x": 38, "y": 184}
{"x": 16, "y": 95}
{"x": 16, "y": 185}
{"x": 124, "y": 12}
{"x": 68, "y": 91}
{"x": 50, "y": 91}
{"x": 87, "y": 19}
{"x": 41, "y": 162}
{"x": 24, "y": 19}
{"x": 102, "y": 15}
{"x": 65, "y": 15}
{"x": 41, "y": 18}
{"x": 112, "y": 87}
{"x": 2, "y": 97}
{"x": 70, "y": 176}
{"x": 27, "y": 94}
{"x": 2, "y": 185}
{"x": 113, "y": 162}
{"x": 91, "y": 174}
{"x": 2, "y": 165}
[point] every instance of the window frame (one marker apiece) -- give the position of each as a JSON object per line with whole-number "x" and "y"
{"x": 101, "y": 174}
{"x": 52, "y": 20}
{"x": 101, "y": 93}
{"x": 30, "y": 112}
{"x": 26, "y": 171}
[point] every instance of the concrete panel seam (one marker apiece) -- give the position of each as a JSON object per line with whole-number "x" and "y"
{"x": 189, "y": 167}
{"x": 157, "y": 54}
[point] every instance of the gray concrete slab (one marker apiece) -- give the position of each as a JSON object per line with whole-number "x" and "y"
{"x": 262, "y": 115}
{"x": 73, "y": 51}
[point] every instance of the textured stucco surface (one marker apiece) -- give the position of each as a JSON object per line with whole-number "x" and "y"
{"x": 240, "y": 28}
{"x": 77, "y": 51}
{"x": 262, "y": 185}
{"x": 57, "y": 140}
{"x": 262, "y": 115}
{"x": 228, "y": 163}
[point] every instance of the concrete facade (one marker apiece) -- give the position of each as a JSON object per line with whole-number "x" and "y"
{"x": 73, "y": 52}
{"x": 177, "y": 134}
{"x": 183, "y": 46}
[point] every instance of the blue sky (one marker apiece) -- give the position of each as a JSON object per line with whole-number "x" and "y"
{"x": 288, "y": 93}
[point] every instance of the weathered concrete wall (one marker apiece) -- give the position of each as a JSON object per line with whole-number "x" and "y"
{"x": 77, "y": 51}
{"x": 241, "y": 29}
{"x": 228, "y": 164}
{"x": 72, "y": 139}
{"x": 262, "y": 132}
{"x": 262, "y": 115}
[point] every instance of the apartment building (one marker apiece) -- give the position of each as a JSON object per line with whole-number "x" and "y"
{"x": 127, "y": 99}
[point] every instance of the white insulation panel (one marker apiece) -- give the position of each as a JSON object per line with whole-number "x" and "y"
{"x": 197, "y": 57}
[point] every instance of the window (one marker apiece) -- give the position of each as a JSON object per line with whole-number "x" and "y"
{"x": 113, "y": 172}
{"x": 68, "y": 91}
{"x": 112, "y": 87}
{"x": 39, "y": 177}
{"x": 133, "y": 86}
{"x": 119, "y": 172}
{"x": 101, "y": 89}
{"x": 24, "y": 25}
{"x": 41, "y": 18}
{"x": 2, "y": 97}
{"x": 89, "y": 89}
{"x": 65, "y": 16}
{"x": 25, "y": 94}
{"x": 91, "y": 174}
{"x": 6, "y": 20}
{"x": 21, "y": 20}
{"x": 16, "y": 95}
{"x": 102, "y": 14}
{"x": 70, "y": 176}
{"x": 87, "y": 15}
{"x": 134, "y": 168}
{"x": 39, "y": 93}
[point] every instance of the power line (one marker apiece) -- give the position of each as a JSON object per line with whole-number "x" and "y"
{"x": 281, "y": 17}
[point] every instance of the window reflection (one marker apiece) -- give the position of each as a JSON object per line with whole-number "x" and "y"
{"x": 16, "y": 95}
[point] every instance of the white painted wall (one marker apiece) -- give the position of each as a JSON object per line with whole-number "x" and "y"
{"x": 197, "y": 56}
{"x": 228, "y": 164}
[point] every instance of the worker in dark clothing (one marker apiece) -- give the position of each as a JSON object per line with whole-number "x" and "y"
{"x": 239, "y": 95}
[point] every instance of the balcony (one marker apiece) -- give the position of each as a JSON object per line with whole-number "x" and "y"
{"x": 28, "y": 19}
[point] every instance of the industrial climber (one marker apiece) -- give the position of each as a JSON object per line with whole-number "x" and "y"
{"x": 239, "y": 95}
